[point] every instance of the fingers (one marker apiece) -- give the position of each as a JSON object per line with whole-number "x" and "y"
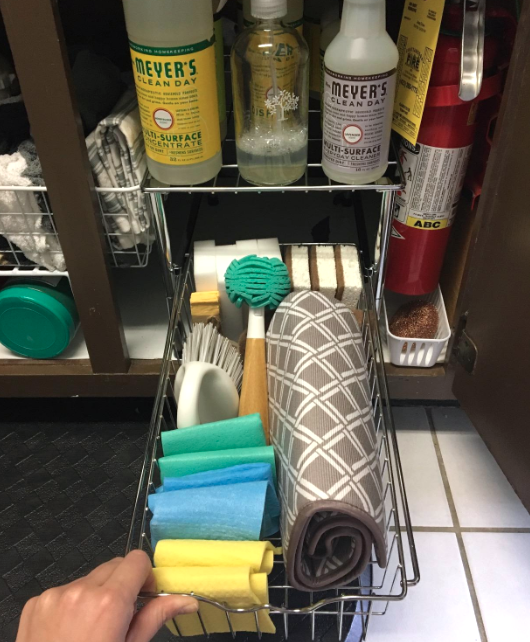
{"x": 150, "y": 619}
{"x": 104, "y": 571}
{"x": 150, "y": 583}
{"x": 131, "y": 574}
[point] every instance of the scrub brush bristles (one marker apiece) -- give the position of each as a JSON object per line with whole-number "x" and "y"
{"x": 206, "y": 344}
{"x": 260, "y": 282}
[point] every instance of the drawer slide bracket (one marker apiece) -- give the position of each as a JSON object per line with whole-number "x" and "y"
{"x": 466, "y": 352}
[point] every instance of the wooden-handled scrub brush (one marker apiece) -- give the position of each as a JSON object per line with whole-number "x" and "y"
{"x": 261, "y": 283}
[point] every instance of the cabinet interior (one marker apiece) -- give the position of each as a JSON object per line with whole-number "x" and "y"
{"x": 316, "y": 217}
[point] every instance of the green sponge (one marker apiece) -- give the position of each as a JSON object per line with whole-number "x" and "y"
{"x": 260, "y": 282}
{"x": 190, "y": 463}
{"x": 241, "y": 432}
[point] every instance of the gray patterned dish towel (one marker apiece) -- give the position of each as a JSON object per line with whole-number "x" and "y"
{"x": 322, "y": 428}
{"x": 116, "y": 152}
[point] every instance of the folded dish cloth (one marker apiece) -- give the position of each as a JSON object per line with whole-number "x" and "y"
{"x": 241, "y": 432}
{"x": 221, "y": 477}
{"x": 189, "y": 463}
{"x": 116, "y": 152}
{"x": 241, "y": 581}
{"x": 323, "y": 431}
{"x": 247, "y": 511}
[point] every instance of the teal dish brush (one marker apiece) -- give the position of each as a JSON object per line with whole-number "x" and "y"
{"x": 261, "y": 283}
{"x": 258, "y": 281}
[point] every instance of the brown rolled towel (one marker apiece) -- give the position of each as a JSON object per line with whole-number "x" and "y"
{"x": 322, "y": 428}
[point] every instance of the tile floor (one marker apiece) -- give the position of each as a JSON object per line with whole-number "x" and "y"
{"x": 472, "y": 535}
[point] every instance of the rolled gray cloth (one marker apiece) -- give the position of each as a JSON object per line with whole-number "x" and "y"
{"x": 322, "y": 429}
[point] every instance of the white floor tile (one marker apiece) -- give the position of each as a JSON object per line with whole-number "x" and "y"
{"x": 423, "y": 481}
{"x": 500, "y": 565}
{"x": 483, "y": 496}
{"x": 439, "y": 608}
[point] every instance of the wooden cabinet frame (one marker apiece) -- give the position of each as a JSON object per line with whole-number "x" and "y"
{"x": 37, "y": 43}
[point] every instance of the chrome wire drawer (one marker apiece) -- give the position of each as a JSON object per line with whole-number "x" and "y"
{"x": 292, "y": 611}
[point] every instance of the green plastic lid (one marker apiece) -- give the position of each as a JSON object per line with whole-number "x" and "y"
{"x": 33, "y": 323}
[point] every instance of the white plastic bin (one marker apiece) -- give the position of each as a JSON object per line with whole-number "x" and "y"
{"x": 418, "y": 353}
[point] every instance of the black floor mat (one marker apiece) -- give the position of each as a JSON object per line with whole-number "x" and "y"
{"x": 65, "y": 501}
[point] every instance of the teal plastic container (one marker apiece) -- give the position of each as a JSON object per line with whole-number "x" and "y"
{"x": 38, "y": 317}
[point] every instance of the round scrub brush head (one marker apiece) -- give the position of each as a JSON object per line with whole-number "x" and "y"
{"x": 258, "y": 281}
{"x": 204, "y": 343}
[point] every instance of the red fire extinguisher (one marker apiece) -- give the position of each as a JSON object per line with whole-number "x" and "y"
{"x": 435, "y": 168}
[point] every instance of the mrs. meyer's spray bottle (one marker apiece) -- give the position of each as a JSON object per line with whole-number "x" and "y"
{"x": 172, "y": 50}
{"x": 359, "y": 85}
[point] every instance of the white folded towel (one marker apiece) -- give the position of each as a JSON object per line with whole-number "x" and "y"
{"x": 21, "y": 219}
{"x": 116, "y": 152}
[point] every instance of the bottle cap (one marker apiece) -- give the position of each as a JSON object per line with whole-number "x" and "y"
{"x": 268, "y": 8}
{"x": 33, "y": 323}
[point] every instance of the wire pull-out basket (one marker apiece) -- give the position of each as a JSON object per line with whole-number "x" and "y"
{"x": 308, "y": 615}
{"x": 27, "y": 227}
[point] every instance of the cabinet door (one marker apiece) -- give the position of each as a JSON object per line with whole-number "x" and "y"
{"x": 496, "y": 394}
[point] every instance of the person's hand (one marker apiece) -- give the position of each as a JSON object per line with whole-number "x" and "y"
{"x": 101, "y": 607}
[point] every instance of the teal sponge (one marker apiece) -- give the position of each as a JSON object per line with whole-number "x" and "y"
{"x": 259, "y": 282}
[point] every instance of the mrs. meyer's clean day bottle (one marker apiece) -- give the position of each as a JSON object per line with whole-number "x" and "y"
{"x": 359, "y": 86}
{"x": 173, "y": 56}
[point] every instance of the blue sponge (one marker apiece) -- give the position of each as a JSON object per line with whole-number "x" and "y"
{"x": 245, "y": 512}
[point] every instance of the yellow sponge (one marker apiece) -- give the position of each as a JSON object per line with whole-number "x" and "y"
{"x": 205, "y": 306}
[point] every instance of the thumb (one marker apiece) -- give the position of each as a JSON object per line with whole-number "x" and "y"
{"x": 153, "y": 615}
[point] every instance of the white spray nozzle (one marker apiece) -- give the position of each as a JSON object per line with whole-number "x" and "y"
{"x": 268, "y": 8}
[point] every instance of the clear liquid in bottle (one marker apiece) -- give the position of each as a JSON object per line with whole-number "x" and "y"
{"x": 270, "y": 87}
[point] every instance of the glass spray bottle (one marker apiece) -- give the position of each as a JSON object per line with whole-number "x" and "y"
{"x": 270, "y": 76}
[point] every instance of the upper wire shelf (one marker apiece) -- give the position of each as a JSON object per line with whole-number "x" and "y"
{"x": 229, "y": 180}
{"x": 314, "y": 180}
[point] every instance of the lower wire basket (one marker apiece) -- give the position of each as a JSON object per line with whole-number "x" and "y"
{"x": 304, "y": 615}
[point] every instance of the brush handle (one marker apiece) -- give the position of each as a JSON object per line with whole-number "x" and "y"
{"x": 254, "y": 391}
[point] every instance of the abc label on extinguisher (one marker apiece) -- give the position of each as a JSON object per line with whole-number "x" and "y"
{"x": 434, "y": 179}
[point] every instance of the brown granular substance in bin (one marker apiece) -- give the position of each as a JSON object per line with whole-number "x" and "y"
{"x": 415, "y": 320}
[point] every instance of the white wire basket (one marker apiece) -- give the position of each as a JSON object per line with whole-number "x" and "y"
{"x": 303, "y": 616}
{"x": 29, "y": 241}
{"x": 417, "y": 353}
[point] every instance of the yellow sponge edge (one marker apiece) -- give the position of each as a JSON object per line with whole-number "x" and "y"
{"x": 205, "y": 306}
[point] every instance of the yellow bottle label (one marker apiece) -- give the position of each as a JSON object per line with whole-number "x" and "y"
{"x": 312, "y": 36}
{"x": 177, "y": 98}
{"x": 416, "y": 43}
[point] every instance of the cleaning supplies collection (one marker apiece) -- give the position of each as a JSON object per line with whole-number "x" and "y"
{"x": 177, "y": 68}
{"x": 224, "y": 491}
